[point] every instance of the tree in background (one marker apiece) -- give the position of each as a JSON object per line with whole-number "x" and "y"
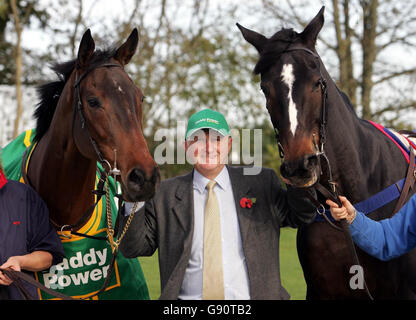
{"x": 19, "y": 13}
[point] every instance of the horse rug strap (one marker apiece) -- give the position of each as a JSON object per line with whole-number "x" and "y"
{"x": 409, "y": 183}
{"x": 406, "y": 142}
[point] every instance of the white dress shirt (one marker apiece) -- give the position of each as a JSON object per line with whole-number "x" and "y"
{"x": 236, "y": 283}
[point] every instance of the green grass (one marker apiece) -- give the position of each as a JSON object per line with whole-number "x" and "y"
{"x": 291, "y": 271}
{"x": 150, "y": 267}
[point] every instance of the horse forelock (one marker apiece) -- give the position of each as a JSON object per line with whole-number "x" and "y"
{"x": 49, "y": 93}
{"x": 274, "y": 47}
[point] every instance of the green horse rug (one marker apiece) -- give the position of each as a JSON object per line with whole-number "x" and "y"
{"x": 84, "y": 270}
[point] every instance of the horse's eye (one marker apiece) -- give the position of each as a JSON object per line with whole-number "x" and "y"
{"x": 94, "y": 103}
{"x": 317, "y": 84}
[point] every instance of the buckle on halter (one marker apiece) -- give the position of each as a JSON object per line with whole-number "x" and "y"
{"x": 320, "y": 210}
{"x": 281, "y": 153}
{"x": 62, "y": 231}
{"x": 333, "y": 186}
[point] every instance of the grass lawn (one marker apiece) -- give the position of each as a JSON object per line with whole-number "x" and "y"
{"x": 291, "y": 272}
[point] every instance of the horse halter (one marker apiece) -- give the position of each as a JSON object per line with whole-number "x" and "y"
{"x": 99, "y": 192}
{"x": 324, "y": 110}
{"x": 331, "y": 193}
{"x": 79, "y": 107}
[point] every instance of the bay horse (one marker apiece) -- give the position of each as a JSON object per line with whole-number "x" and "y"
{"x": 71, "y": 139}
{"x": 311, "y": 115}
{"x": 92, "y": 114}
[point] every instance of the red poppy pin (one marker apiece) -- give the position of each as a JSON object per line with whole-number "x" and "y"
{"x": 247, "y": 202}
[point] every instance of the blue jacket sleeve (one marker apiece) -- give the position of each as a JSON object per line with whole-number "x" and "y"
{"x": 389, "y": 238}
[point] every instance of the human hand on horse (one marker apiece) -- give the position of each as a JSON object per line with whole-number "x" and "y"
{"x": 347, "y": 211}
{"x": 286, "y": 181}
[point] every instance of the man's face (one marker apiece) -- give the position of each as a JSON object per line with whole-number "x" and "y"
{"x": 207, "y": 149}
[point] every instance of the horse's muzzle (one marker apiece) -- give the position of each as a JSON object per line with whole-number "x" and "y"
{"x": 302, "y": 172}
{"x": 139, "y": 187}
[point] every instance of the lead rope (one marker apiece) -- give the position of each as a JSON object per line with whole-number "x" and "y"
{"x": 110, "y": 230}
{"x": 114, "y": 171}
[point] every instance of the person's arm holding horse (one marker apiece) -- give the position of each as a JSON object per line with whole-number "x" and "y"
{"x": 141, "y": 237}
{"x": 34, "y": 245}
{"x": 293, "y": 206}
{"x": 385, "y": 239}
{"x": 35, "y": 261}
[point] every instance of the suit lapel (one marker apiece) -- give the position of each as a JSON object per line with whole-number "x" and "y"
{"x": 183, "y": 207}
{"x": 241, "y": 189}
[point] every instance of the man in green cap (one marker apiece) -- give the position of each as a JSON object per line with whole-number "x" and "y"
{"x": 216, "y": 229}
{"x": 208, "y": 142}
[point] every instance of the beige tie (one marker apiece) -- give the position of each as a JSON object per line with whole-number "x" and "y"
{"x": 212, "y": 276}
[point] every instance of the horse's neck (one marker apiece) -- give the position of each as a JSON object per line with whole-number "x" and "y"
{"x": 358, "y": 155}
{"x": 60, "y": 174}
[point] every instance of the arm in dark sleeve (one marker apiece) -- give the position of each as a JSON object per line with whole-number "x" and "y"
{"x": 389, "y": 238}
{"x": 293, "y": 207}
{"x": 141, "y": 237}
{"x": 41, "y": 235}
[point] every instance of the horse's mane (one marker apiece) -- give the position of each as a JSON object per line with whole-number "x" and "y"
{"x": 273, "y": 48}
{"x": 50, "y": 92}
{"x": 347, "y": 100}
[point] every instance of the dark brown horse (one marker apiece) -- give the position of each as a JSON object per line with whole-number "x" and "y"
{"x": 93, "y": 110}
{"x": 312, "y": 117}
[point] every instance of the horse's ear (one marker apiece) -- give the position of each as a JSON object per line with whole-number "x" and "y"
{"x": 253, "y": 37}
{"x": 126, "y": 51}
{"x": 310, "y": 34}
{"x": 86, "y": 49}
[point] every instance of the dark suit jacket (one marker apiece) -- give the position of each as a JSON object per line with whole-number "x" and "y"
{"x": 167, "y": 223}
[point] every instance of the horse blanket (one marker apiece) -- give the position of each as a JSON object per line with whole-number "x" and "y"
{"x": 85, "y": 267}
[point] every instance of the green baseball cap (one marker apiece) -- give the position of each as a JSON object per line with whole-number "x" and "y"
{"x": 207, "y": 119}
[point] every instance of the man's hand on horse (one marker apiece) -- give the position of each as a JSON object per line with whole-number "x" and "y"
{"x": 285, "y": 180}
{"x": 347, "y": 211}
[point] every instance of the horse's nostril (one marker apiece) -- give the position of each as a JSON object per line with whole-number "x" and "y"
{"x": 311, "y": 160}
{"x": 136, "y": 176}
{"x": 298, "y": 168}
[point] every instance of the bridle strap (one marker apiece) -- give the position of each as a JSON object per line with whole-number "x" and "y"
{"x": 324, "y": 109}
{"x": 79, "y": 107}
{"x": 99, "y": 192}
